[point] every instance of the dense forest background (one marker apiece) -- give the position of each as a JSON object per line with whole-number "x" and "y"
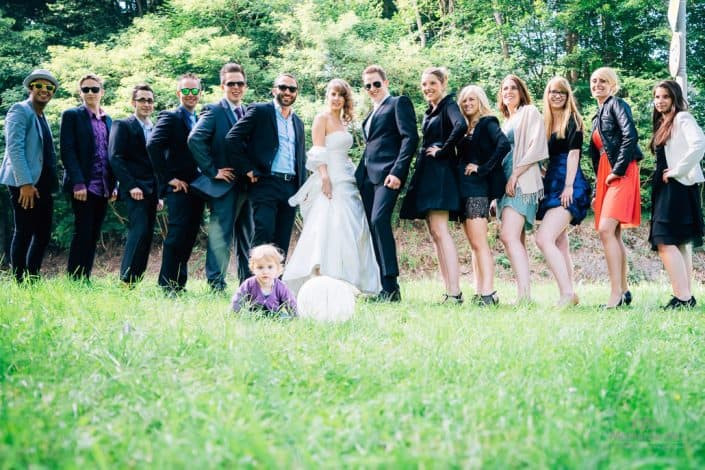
{"x": 479, "y": 41}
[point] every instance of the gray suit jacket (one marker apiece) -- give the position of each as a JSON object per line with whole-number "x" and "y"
{"x": 24, "y": 154}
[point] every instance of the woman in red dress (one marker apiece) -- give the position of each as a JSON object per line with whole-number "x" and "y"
{"x": 615, "y": 152}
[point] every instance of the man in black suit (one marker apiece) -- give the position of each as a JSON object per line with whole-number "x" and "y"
{"x": 391, "y": 136}
{"x": 267, "y": 145}
{"x": 138, "y": 182}
{"x": 88, "y": 178}
{"x": 230, "y": 213}
{"x": 176, "y": 169}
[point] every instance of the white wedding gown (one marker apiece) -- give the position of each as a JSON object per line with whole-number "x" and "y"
{"x": 335, "y": 240}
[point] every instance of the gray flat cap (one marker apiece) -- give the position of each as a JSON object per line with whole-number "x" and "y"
{"x": 40, "y": 74}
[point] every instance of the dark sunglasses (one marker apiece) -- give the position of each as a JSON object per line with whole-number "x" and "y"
{"x": 239, "y": 84}
{"x": 377, "y": 84}
{"x": 192, "y": 91}
{"x": 292, "y": 89}
{"x": 92, "y": 89}
{"x": 39, "y": 86}
{"x": 145, "y": 100}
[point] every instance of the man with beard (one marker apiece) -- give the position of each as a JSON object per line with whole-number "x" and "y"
{"x": 267, "y": 145}
{"x": 176, "y": 169}
{"x": 29, "y": 171}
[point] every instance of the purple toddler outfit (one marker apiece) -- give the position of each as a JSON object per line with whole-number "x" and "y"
{"x": 250, "y": 293}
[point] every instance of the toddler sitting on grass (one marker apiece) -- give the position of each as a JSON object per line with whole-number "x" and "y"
{"x": 265, "y": 292}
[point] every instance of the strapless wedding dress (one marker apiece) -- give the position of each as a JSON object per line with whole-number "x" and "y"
{"x": 335, "y": 240}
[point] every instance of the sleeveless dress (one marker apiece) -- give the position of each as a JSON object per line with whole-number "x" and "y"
{"x": 524, "y": 206}
{"x": 554, "y": 181}
{"x": 335, "y": 240}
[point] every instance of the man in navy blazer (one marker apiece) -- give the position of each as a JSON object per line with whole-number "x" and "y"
{"x": 176, "y": 169}
{"x": 88, "y": 179}
{"x": 29, "y": 171}
{"x": 268, "y": 147}
{"x": 231, "y": 213}
{"x": 137, "y": 181}
{"x": 391, "y": 140}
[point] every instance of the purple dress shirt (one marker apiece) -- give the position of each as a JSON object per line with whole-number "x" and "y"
{"x": 250, "y": 293}
{"x": 98, "y": 182}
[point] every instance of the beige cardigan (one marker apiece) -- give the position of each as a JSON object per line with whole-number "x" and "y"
{"x": 530, "y": 147}
{"x": 685, "y": 149}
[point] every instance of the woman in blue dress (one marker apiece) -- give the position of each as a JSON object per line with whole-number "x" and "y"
{"x": 566, "y": 191}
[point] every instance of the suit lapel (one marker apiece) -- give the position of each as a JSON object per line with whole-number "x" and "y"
{"x": 185, "y": 118}
{"x": 382, "y": 108}
{"x": 273, "y": 120}
{"x": 228, "y": 112}
{"x": 85, "y": 124}
{"x": 137, "y": 129}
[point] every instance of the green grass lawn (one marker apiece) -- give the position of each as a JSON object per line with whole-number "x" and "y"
{"x": 105, "y": 377}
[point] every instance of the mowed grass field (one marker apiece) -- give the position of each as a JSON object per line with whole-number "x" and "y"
{"x": 103, "y": 377}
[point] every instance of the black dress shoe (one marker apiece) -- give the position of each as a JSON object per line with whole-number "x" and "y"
{"x": 627, "y": 297}
{"x": 676, "y": 303}
{"x": 387, "y": 296}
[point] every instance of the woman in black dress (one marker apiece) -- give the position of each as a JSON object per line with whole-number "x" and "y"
{"x": 566, "y": 191}
{"x": 433, "y": 190}
{"x": 482, "y": 180}
{"x": 676, "y": 213}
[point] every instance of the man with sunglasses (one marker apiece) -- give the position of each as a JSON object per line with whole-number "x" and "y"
{"x": 88, "y": 179}
{"x": 230, "y": 212}
{"x": 127, "y": 150}
{"x": 267, "y": 145}
{"x": 391, "y": 139}
{"x": 29, "y": 171}
{"x": 176, "y": 169}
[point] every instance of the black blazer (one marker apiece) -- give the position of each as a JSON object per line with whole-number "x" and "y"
{"x": 253, "y": 141}
{"x": 207, "y": 138}
{"x": 168, "y": 150}
{"x": 128, "y": 157}
{"x": 616, "y": 126}
{"x": 78, "y": 148}
{"x": 392, "y": 141}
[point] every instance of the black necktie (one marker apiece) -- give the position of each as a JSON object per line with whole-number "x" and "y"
{"x": 238, "y": 113}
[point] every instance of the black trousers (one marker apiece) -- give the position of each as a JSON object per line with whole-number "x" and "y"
{"x": 32, "y": 233}
{"x": 141, "y": 216}
{"x": 185, "y": 211}
{"x": 230, "y": 218}
{"x": 379, "y": 202}
{"x": 88, "y": 220}
{"x": 272, "y": 214}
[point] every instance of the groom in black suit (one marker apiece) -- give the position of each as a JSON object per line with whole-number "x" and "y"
{"x": 391, "y": 136}
{"x": 267, "y": 145}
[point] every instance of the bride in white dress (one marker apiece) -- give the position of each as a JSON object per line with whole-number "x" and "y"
{"x": 335, "y": 240}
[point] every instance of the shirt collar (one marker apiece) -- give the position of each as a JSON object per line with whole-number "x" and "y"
{"x": 144, "y": 126}
{"x": 101, "y": 113}
{"x": 278, "y": 107}
{"x": 376, "y": 105}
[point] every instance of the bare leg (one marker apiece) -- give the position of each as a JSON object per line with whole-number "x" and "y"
{"x": 554, "y": 224}
{"x": 445, "y": 250}
{"x": 625, "y": 265}
{"x": 512, "y": 235}
{"x": 483, "y": 264}
{"x": 687, "y": 253}
{"x": 610, "y": 235}
{"x": 677, "y": 268}
{"x": 563, "y": 244}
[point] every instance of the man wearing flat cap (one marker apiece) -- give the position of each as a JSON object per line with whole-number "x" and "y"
{"x": 29, "y": 171}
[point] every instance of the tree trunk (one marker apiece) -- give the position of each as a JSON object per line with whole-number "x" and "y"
{"x": 571, "y": 40}
{"x": 419, "y": 23}
{"x": 499, "y": 19}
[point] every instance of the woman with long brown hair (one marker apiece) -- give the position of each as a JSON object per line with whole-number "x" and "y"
{"x": 335, "y": 240}
{"x": 676, "y": 212}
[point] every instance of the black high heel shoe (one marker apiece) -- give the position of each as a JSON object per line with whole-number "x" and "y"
{"x": 622, "y": 302}
{"x": 627, "y": 297}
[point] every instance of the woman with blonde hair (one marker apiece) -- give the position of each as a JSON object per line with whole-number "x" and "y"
{"x": 433, "y": 190}
{"x": 566, "y": 191}
{"x": 524, "y": 128}
{"x": 676, "y": 213}
{"x": 335, "y": 240}
{"x": 614, "y": 148}
{"x": 482, "y": 180}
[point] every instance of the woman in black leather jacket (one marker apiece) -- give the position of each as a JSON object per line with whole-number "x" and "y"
{"x": 615, "y": 152}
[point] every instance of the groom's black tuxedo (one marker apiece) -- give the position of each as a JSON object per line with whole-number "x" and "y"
{"x": 391, "y": 144}
{"x": 253, "y": 143}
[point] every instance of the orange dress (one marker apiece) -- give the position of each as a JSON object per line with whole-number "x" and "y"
{"x": 621, "y": 200}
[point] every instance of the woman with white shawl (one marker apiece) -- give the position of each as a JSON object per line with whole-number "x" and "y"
{"x": 525, "y": 130}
